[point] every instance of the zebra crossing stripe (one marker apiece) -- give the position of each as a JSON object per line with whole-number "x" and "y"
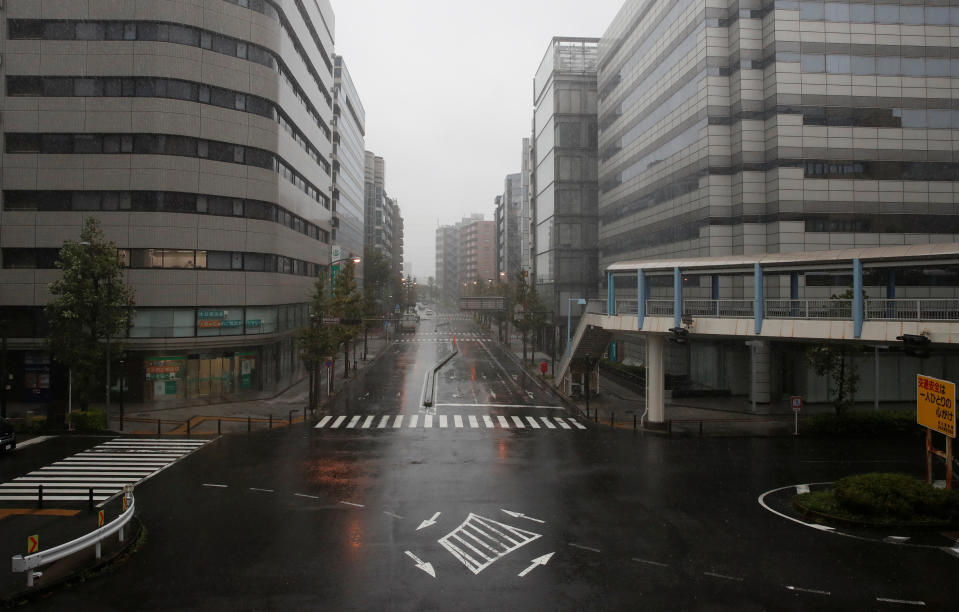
{"x": 414, "y": 419}
{"x": 324, "y": 421}
{"x": 532, "y": 422}
{"x": 519, "y": 422}
{"x": 398, "y": 422}
{"x": 473, "y": 423}
{"x": 562, "y": 423}
{"x": 139, "y": 461}
{"x": 383, "y": 421}
{"x": 457, "y": 420}
{"x": 102, "y": 469}
{"x": 502, "y": 421}
{"x": 428, "y": 421}
{"x": 547, "y": 422}
{"x": 443, "y": 421}
{"x": 339, "y": 421}
{"x": 353, "y": 422}
{"x": 577, "y": 423}
{"x": 488, "y": 421}
{"x": 368, "y": 422}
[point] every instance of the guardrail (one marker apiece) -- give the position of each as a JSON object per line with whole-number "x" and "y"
{"x": 429, "y": 384}
{"x": 94, "y": 538}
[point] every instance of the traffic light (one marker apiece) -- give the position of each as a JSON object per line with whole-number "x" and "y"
{"x": 679, "y": 335}
{"x": 915, "y": 345}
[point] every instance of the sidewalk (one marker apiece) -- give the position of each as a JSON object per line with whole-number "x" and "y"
{"x": 202, "y": 417}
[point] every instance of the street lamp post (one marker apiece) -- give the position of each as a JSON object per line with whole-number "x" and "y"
{"x": 569, "y": 317}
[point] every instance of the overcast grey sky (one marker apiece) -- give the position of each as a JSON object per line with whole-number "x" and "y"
{"x": 447, "y": 88}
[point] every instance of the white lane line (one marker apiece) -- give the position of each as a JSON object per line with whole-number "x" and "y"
{"x": 353, "y": 422}
{"x": 532, "y": 422}
{"x": 428, "y": 421}
{"x": 413, "y": 420}
{"x": 562, "y": 423}
{"x": 398, "y": 422}
{"x": 32, "y": 441}
{"x": 306, "y": 496}
{"x": 762, "y": 502}
{"x": 502, "y": 421}
{"x": 547, "y": 422}
{"x": 352, "y": 504}
{"x": 497, "y": 406}
{"x": 215, "y": 486}
{"x": 648, "y": 562}
{"x": 324, "y": 421}
{"x": 488, "y": 421}
{"x": 722, "y": 576}
{"x": 896, "y": 539}
{"x": 473, "y": 422}
{"x": 383, "y": 421}
{"x": 396, "y": 516}
{"x": 901, "y": 601}
{"x": 814, "y": 591}
{"x": 261, "y": 490}
{"x": 581, "y": 547}
{"x": 368, "y": 422}
{"x": 443, "y": 423}
{"x": 519, "y": 422}
{"x": 576, "y": 423}
{"x": 339, "y": 421}
{"x": 457, "y": 420}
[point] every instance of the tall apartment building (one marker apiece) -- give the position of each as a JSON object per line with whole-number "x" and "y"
{"x": 199, "y": 134}
{"x": 564, "y": 180}
{"x": 525, "y": 215}
{"x": 745, "y": 127}
{"x": 477, "y": 250}
{"x": 508, "y": 221}
{"x": 447, "y": 264}
{"x": 384, "y": 224}
{"x": 349, "y": 132}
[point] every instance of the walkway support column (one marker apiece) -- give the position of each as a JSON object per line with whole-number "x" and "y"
{"x": 641, "y": 297}
{"x": 858, "y": 307}
{"x": 758, "y": 306}
{"x": 610, "y": 294}
{"x": 677, "y": 297}
{"x": 655, "y": 380}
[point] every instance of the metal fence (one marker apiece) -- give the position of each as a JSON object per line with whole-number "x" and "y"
{"x": 913, "y": 310}
{"x": 828, "y": 309}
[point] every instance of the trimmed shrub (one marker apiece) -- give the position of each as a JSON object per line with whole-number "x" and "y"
{"x": 29, "y": 425}
{"x": 91, "y": 420}
{"x": 883, "y": 423}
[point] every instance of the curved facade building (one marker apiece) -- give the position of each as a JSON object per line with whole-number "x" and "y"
{"x": 199, "y": 133}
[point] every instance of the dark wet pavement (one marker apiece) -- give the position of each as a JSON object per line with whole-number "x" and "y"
{"x": 418, "y": 518}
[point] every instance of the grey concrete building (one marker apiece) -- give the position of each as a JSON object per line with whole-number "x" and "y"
{"x": 198, "y": 132}
{"x": 349, "y": 132}
{"x": 564, "y": 177}
{"x": 508, "y": 218}
{"x": 384, "y": 223}
{"x": 447, "y": 264}
{"x": 752, "y": 126}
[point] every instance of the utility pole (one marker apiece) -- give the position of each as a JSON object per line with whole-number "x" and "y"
{"x": 4, "y": 378}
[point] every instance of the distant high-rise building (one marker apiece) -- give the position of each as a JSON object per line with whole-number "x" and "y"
{"x": 384, "y": 223}
{"x": 477, "y": 253}
{"x": 508, "y": 221}
{"x": 199, "y": 134}
{"x": 525, "y": 215}
{"x": 563, "y": 185}
{"x": 447, "y": 264}
{"x": 349, "y": 121}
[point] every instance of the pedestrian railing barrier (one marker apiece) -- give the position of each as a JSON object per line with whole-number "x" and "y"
{"x": 29, "y": 563}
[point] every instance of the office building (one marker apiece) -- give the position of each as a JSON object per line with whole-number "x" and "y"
{"x": 508, "y": 221}
{"x": 200, "y": 135}
{"x": 564, "y": 181}
{"x": 349, "y": 132}
{"x": 447, "y": 265}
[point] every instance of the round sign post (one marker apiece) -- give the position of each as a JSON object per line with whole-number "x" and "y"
{"x": 796, "y": 403}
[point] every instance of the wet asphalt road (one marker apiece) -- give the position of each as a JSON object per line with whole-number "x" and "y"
{"x": 348, "y": 519}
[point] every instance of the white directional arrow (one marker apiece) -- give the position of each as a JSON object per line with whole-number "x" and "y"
{"x": 426, "y": 567}
{"x": 429, "y": 522}
{"x": 537, "y": 561}
{"x": 521, "y": 515}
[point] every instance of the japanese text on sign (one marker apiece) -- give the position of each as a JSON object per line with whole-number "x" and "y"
{"x": 936, "y": 405}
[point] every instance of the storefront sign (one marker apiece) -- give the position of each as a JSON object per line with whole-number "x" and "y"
{"x": 164, "y": 368}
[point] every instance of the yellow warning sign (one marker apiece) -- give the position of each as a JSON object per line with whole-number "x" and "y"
{"x": 936, "y": 404}
{"x": 33, "y": 544}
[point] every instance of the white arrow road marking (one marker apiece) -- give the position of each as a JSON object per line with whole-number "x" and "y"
{"x": 429, "y": 522}
{"x": 521, "y": 515}
{"x": 537, "y": 561}
{"x": 426, "y": 567}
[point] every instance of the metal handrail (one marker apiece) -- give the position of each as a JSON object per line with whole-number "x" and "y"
{"x": 44, "y": 557}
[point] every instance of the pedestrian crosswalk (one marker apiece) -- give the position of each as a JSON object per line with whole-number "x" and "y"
{"x": 447, "y": 421}
{"x": 104, "y": 468}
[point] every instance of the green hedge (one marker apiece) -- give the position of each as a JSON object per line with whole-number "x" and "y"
{"x": 91, "y": 420}
{"x": 30, "y": 425}
{"x": 884, "y": 498}
{"x": 883, "y": 423}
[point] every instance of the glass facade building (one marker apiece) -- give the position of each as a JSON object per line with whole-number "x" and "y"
{"x": 564, "y": 175}
{"x": 349, "y": 133}
{"x": 762, "y": 126}
{"x": 206, "y": 154}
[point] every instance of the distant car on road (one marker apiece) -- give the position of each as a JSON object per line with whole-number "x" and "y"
{"x": 8, "y": 438}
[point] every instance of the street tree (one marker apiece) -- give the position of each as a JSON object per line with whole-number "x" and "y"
{"x": 529, "y": 315}
{"x": 316, "y": 342}
{"x": 837, "y": 362}
{"x": 347, "y": 306}
{"x": 90, "y": 308}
